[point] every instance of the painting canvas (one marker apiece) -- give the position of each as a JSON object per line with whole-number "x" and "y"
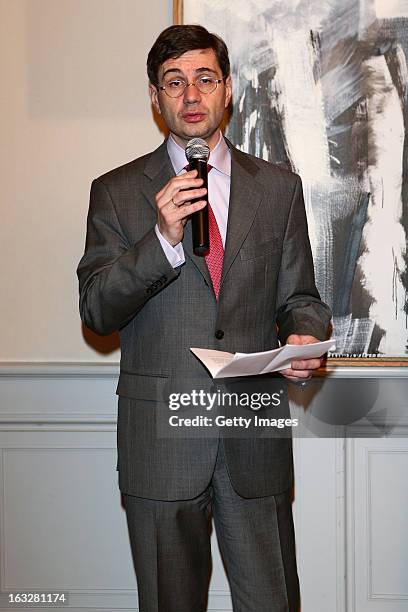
{"x": 320, "y": 86}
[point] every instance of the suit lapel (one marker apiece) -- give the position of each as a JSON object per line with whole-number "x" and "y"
{"x": 199, "y": 262}
{"x": 158, "y": 171}
{"x": 245, "y": 197}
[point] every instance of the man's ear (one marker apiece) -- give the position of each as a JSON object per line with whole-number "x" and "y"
{"x": 228, "y": 90}
{"x": 154, "y": 97}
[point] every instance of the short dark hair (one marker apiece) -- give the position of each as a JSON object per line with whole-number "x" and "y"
{"x": 176, "y": 40}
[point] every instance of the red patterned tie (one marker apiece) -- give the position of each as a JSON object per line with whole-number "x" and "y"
{"x": 215, "y": 255}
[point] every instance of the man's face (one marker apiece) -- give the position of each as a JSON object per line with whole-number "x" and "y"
{"x": 193, "y": 114}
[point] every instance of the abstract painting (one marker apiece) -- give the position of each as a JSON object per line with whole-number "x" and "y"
{"x": 320, "y": 87}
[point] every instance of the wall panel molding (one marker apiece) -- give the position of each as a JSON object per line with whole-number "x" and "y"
{"x": 377, "y": 525}
{"x": 70, "y": 409}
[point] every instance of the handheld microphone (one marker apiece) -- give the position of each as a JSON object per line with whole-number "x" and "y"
{"x": 197, "y": 153}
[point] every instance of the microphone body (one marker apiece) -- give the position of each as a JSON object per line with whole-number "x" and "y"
{"x": 199, "y": 219}
{"x": 197, "y": 153}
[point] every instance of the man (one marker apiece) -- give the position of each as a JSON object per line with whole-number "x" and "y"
{"x": 139, "y": 276}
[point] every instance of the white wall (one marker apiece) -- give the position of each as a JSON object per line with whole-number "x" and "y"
{"x": 73, "y": 104}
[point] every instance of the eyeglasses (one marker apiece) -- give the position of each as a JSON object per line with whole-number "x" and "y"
{"x": 175, "y": 88}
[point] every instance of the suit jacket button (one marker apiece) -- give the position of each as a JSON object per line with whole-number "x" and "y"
{"x": 219, "y": 334}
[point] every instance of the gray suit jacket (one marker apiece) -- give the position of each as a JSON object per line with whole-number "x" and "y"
{"x": 267, "y": 292}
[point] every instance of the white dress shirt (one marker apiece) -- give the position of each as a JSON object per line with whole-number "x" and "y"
{"x": 219, "y": 182}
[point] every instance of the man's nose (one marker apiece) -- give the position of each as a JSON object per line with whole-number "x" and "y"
{"x": 191, "y": 94}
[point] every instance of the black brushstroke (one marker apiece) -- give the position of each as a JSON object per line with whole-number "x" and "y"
{"x": 361, "y": 300}
{"x": 341, "y": 303}
{"x": 317, "y": 47}
{"x": 376, "y": 338}
{"x": 268, "y": 133}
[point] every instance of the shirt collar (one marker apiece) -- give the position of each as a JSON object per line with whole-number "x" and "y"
{"x": 220, "y": 156}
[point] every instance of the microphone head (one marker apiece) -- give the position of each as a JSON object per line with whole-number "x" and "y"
{"x": 197, "y": 148}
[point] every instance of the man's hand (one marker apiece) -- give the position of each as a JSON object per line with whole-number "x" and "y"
{"x": 301, "y": 370}
{"x": 174, "y": 207}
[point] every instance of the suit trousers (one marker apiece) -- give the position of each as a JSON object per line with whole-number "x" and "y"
{"x": 170, "y": 542}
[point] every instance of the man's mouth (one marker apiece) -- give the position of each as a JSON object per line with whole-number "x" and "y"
{"x": 193, "y": 117}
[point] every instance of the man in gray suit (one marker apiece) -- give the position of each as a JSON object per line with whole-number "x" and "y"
{"x": 254, "y": 288}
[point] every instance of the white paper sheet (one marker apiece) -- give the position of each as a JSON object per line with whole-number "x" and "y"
{"x": 227, "y": 365}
